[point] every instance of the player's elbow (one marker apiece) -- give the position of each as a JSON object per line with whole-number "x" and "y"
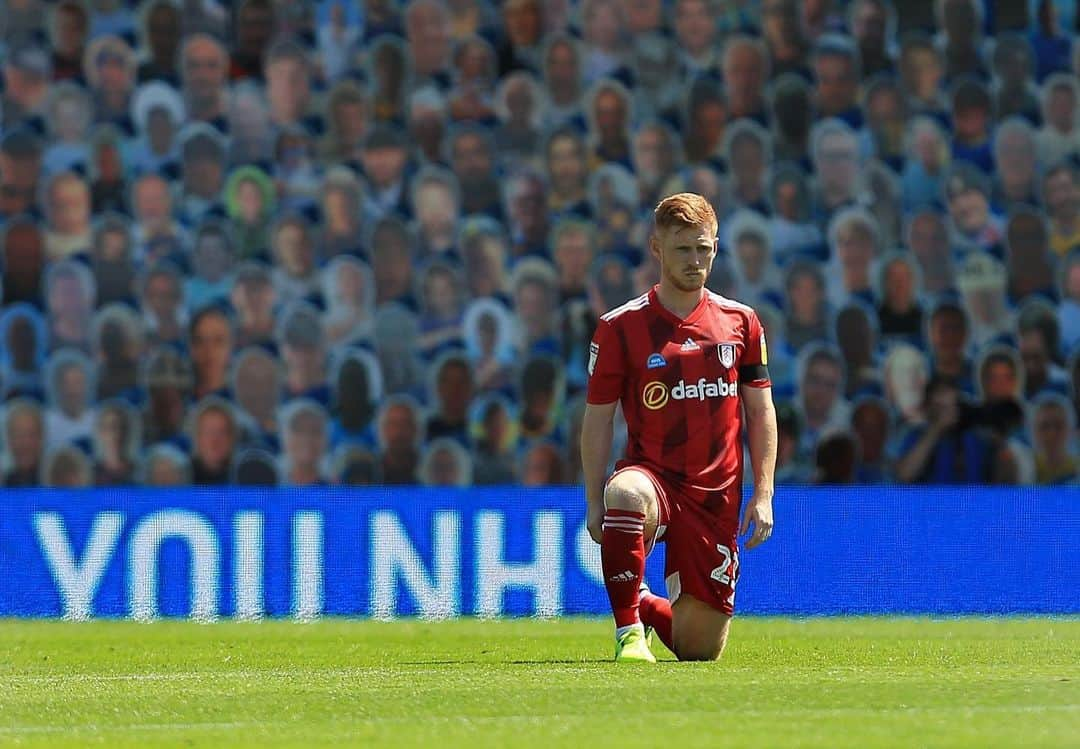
{"x": 761, "y": 412}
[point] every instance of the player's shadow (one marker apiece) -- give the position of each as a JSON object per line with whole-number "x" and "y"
{"x": 492, "y": 661}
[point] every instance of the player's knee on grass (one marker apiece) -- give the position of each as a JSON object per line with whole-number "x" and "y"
{"x": 633, "y": 492}
{"x": 700, "y": 651}
{"x": 699, "y": 632}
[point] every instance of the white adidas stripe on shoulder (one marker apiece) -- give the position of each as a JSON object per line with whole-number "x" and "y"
{"x": 723, "y": 301}
{"x": 634, "y": 304}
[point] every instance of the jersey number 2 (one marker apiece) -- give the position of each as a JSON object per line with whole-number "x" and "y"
{"x": 728, "y": 571}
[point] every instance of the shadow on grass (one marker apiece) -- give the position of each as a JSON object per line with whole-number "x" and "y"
{"x": 537, "y": 662}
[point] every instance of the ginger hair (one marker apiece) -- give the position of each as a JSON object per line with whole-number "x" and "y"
{"x": 684, "y": 209}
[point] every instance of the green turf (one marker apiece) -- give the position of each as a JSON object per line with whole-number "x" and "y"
{"x": 824, "y": 682}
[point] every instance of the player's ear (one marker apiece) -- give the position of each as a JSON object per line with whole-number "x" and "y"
{"x": 654, "y": 244}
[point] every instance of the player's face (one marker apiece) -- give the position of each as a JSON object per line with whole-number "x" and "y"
{"x": 686, "y": 255}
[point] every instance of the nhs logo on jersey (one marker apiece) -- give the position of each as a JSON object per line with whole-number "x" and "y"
{"x": 656, "y": 361}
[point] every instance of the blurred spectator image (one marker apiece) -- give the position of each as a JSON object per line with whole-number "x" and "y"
{"x": 23, "y": 258}
{"x": 69, "y": 119}
{"x": 1061, "y": 192}
{"x": 948, "y": 336}
{"x": 949, "y": 449}
{"x": 357, "y": 391}
{"x": 899, "y": 311}
{"x": 821, "y": 388}
{"x": 116, "y": 440}
{"x": 1069, "y": 310}
{"x": 304, "y": 440}
{"x": 905, "y": 373}
{"x": 535, "y": 295}
{"x": 254, "y": 466}
{"x": 66, "y": 468}
{"x": 399, "y": 223}
{"x": 834, "y": 150}
{"x": 349, "y": 294}
{"x": 441, "y": 288}
{"x": 22, "y": 333}
{"x": 1039, "y": 342}
{"x": 493, "y": 431}
{"x": 167, "y": 380}
{"x": 1058, "y": 138}
{"x": 67, "y": 209}
{"x": 213, "y": 434}
{"x": 24, "y": 442}
{"x": 1030, "y": 264}
{"x": 445, "y": 463}
{"x": 256, "y": 381}
{"x": 982, "y": 281}
{"x": 253, "y": 298}
{"x": 161, "y": 295}
{"x": 161, "y": 35}
{"x": 303, "y": 351}
{"x": 166, "y": 466}
{"x": 870, "y": 423}
{"x": 400, "y": 435}
{"x": 20, "y": 172}
{"x": 396, "y": 333}
{"x": 836, "y": 459}
{"x": 210, "y": 340}
{"x": 342, "y": 202}
{"x": 927, "y": 237}
{"x": 118, "y": 343}
{"x": 1051, "y": 422}
{"x": 356, "y": 466}
{"x": 111, "y": 260}
{"x": 855, "y": 238}
{"x": 451, "y": 392}
{"x": 807, "y": 313}
{"x": 69, "y": 389}
{"x": 542, "y": 465}
{"x": 250, "y": 200}
{"x": 204, "y": 68}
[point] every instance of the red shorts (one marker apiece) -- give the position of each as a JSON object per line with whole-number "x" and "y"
{"x": 702, "y": 546}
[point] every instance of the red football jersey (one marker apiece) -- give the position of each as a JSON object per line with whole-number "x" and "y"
{"x": 678, "y": 380}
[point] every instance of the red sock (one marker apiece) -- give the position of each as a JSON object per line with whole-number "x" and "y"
{"x": 656, "y": 613}
{"x": 622, "y": 552}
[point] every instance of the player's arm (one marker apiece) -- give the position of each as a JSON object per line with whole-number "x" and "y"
{"x": 597, "y": 432}
{"x": 607, "y": 375}
{"x": 762, "y": 436}
{"x": 756, "y": 395}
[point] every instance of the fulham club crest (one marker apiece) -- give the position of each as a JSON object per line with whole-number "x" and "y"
{"x": 727, "y": 354}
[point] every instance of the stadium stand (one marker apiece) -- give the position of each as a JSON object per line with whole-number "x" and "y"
{"x": 333, "y": 242}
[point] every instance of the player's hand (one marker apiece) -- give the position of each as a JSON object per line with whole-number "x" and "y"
{"x": 759, "y": 515}
{"x": 595, "y": 521}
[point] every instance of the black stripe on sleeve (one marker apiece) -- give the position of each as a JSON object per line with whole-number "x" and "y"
{"x": 752, "y": 372}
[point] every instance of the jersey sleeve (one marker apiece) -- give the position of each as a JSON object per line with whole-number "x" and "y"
{"x": 607, "y": 366}
{"x": 754, "y": 367}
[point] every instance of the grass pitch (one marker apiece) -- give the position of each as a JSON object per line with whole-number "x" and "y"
{"x": 821, "y": 682}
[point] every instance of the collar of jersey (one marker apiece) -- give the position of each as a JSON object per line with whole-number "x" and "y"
{"x": 695, "y": 313}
